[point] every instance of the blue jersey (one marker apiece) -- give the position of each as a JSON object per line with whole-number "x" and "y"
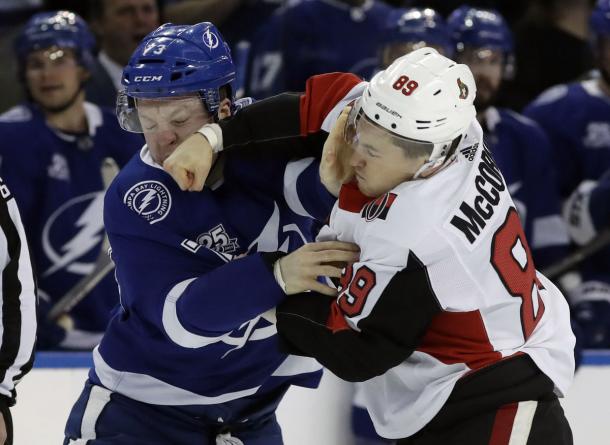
{"x": 297, "y": 42}
{"x": 599, "y": 207}
{"x": 522, "y": 152}
{"x": 56, "y": 180}
{"x": 576, "y": 119}
{"x": 600, "y": 203}
{"x": 195, "y": 326}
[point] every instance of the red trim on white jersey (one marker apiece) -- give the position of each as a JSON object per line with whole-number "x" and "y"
{"x": 336, "y": 319}
{"x": 322, "y": 93}
{"x": 459, "y": 337}
{"x": 351, "y": 199}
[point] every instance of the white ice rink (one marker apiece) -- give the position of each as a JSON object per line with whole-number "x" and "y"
{"x": 308, "y": 417}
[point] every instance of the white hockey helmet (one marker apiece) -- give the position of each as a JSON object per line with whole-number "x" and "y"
{"x": 422, "y": 97}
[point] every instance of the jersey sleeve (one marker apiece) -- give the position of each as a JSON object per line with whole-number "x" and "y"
{"x": 304, "y": 192}
{"x": 293, "y": 121}
{"x": 206, "y": 293}
{"x": 383, "y": 309}
{"x": 551, "y": 110}
{"x": 549, "y": 236}
{"x": 18, "y": 295}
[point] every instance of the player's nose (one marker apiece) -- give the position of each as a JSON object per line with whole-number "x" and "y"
{"x": 166, "y": 137}
{"x": 356, "y": 159}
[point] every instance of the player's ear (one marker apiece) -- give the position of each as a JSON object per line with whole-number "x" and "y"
{"x": 224, "y": 110}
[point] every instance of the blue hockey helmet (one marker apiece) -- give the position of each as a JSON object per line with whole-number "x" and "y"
{"x": 63, "y": 29}
{"x": 600, "y": 19}
{"x": 417, "y": 25}
{"x": 177, "y": 60}
{"x": 479, "y": 28}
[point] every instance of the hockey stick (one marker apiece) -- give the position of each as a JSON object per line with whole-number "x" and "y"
{"x": 103, "y": 265}
{"x": 574, "y": 259}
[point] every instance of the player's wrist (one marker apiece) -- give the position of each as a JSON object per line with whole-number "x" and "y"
{"x": 277, "y": 274}
{"x": 213, "y": 134}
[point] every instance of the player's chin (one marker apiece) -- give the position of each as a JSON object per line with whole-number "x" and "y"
{"x": 365, "y": 189}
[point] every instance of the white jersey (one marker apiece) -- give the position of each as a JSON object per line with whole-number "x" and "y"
{"x": 453, "y": 242}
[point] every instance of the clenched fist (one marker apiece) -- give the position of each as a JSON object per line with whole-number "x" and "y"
{"x": 190, "y": 163}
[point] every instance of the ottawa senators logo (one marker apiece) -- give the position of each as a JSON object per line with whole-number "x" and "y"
{"x": 378, "y": 208}
{"x": 463, "y": 89}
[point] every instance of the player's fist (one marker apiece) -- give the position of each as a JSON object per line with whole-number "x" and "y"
{"x": 190, "y": 163}
{"x": 335, "y": 169}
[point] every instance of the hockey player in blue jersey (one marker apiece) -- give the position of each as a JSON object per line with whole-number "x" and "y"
{"x": 483, "y": 41}
{"x": 587, "y": 212}
{"x": 297, "y": 42}
{"x": 576, "y": 118}
{"x": 191, "y": 355}
{"x": 52, "y": 148}
{"x": 575, "y": 115}
{"x": 412, "y": 28}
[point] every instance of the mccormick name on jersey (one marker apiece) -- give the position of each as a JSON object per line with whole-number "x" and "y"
{"x": 475, "y": 211}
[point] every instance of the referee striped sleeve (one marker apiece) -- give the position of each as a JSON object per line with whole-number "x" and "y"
{"x": 17, "y": 299}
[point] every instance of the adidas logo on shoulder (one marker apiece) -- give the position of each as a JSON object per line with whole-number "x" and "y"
{"x": 470, "y": 151}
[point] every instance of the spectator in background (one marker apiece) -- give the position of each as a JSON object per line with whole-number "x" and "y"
{"x": 119, "y": 26}
{"x": 18, "y": 302}
{"x": 484, "y": 42}
{"x": 52, "y": 148}
{"x": 551, "y": 47}
{"x": 297, "y": 42}
{"x": 576, "y": 117}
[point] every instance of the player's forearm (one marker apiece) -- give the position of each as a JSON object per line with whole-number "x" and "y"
{"x": 223, "y": 299}
{"x": 301, "y": 119}
{"x": 272, "y": 123}
{"x": 306, "y": 328}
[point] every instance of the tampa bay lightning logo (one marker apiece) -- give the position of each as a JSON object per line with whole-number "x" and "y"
{"x": 72, "y": 235}
{"x": 149, "y": 199}
{"x": 210, "y": 39}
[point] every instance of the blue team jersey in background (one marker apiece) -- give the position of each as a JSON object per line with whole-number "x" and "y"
{"x": 312, "y": 37}
{"x": 194, "y": 326}
{"x": 522, "y": 152}
{"x": 56, "y": 180}
{"x": 576, "y": 119}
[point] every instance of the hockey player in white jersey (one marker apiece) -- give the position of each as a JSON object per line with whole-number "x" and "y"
{"x": 456, "y": 336}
